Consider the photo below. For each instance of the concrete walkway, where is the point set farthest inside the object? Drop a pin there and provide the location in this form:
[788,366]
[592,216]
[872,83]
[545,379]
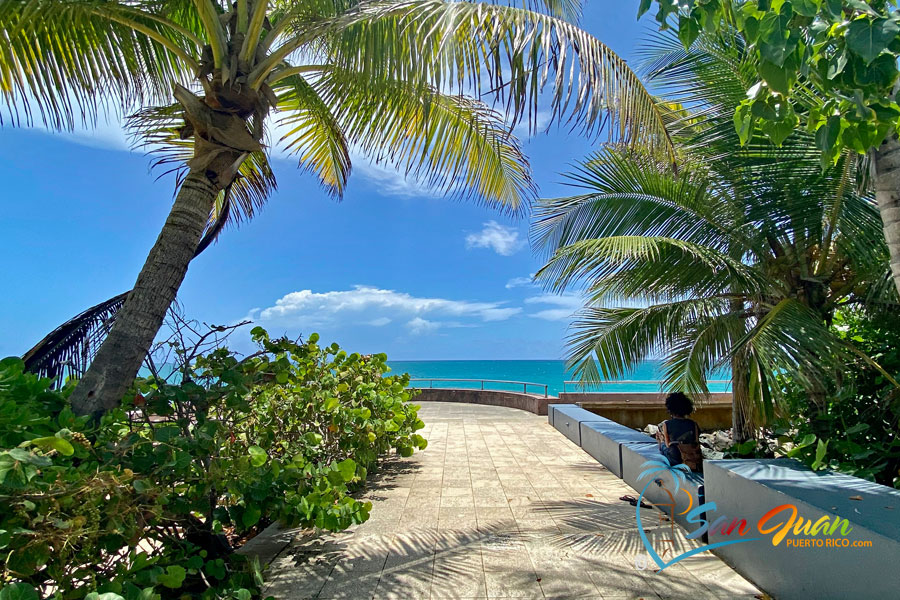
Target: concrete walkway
[500,505]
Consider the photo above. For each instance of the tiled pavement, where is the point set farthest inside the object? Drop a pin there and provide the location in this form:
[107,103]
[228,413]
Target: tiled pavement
[500,505]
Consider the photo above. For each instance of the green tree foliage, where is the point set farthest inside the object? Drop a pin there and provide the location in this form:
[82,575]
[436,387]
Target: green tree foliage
[830,65]
[857,432]
[739,258]
[138,506]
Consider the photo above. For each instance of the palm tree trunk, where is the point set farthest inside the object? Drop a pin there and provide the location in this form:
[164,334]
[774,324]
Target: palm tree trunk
[741,424]
[119,358]
[886,170]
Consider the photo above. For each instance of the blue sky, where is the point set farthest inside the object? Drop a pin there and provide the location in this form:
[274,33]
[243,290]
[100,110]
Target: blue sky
[392,268]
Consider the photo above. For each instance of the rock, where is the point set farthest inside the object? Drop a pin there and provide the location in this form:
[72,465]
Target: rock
[721,441]
[712,454]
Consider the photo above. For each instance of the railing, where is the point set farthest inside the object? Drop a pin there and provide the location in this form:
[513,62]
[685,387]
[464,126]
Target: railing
[524,384]
[598,384]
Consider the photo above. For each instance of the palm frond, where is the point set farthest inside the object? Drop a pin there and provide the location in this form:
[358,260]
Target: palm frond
[633,193]
[503,53]
[704,347]
[451,142]
[653,268]
[64,62]
[795,338]
[612,341]
[568,10]
[313,133]
[68,350]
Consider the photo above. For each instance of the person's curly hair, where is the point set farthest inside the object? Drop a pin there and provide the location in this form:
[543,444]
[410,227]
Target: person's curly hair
[679,405]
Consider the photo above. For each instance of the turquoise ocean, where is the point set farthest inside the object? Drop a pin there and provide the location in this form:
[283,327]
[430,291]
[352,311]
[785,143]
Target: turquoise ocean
[552,373]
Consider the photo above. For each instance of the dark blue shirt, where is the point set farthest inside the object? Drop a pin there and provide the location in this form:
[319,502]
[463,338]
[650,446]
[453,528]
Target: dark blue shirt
[682,430]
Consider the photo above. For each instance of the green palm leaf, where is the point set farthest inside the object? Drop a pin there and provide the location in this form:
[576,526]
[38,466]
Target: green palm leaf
[633,193]
[65,62]
[505,53]
[636,267]
[313,133]
[453,143]
[609,342]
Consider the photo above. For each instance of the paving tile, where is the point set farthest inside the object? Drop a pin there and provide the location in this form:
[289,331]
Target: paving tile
[617,579]
[566,584]
[290,580]
[458,576]
[458,501]
[500,505]
[487,482]
[512,584]
[351,585]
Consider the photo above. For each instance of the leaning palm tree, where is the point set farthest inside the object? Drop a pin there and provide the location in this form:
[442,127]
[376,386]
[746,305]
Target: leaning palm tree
[400,80]
[737,259]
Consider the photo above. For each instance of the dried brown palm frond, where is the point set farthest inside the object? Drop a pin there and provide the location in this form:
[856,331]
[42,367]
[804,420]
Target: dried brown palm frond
[68,350]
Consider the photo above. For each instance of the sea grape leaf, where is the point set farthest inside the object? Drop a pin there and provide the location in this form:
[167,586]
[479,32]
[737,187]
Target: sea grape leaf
[688,30]
[18,591]
[173,577]
[776,41]
[347,469]
[52,442]
[251,516]
[778,77]
[258,456]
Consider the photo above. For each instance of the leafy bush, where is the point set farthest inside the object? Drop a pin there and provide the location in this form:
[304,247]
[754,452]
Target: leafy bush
[148,502]
[857,431]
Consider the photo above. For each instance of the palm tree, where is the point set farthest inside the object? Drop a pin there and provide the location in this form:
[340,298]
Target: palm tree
[389,77]
[739,258]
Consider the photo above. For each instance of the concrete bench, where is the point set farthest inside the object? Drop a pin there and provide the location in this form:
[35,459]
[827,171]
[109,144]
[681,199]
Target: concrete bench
[567,419]
[748,489]
[603,440]
[688,496]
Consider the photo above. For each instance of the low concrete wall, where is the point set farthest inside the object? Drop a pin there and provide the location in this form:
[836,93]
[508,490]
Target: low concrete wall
[639,409]
[603,440]
[529,402]
[748,489]
[567,419]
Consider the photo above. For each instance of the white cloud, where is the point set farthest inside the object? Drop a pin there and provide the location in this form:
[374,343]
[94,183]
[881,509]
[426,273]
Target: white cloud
[520,282]
[565,305]
[523,129]
[389,180]
[376,307]
[499,314]
[503,240]
[108,134]
[419,326]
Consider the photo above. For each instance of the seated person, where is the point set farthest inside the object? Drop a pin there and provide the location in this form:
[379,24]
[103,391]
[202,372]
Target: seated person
[679,437]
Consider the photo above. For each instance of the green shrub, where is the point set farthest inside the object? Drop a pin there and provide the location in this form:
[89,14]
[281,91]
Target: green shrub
[148,502]
[857,430]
